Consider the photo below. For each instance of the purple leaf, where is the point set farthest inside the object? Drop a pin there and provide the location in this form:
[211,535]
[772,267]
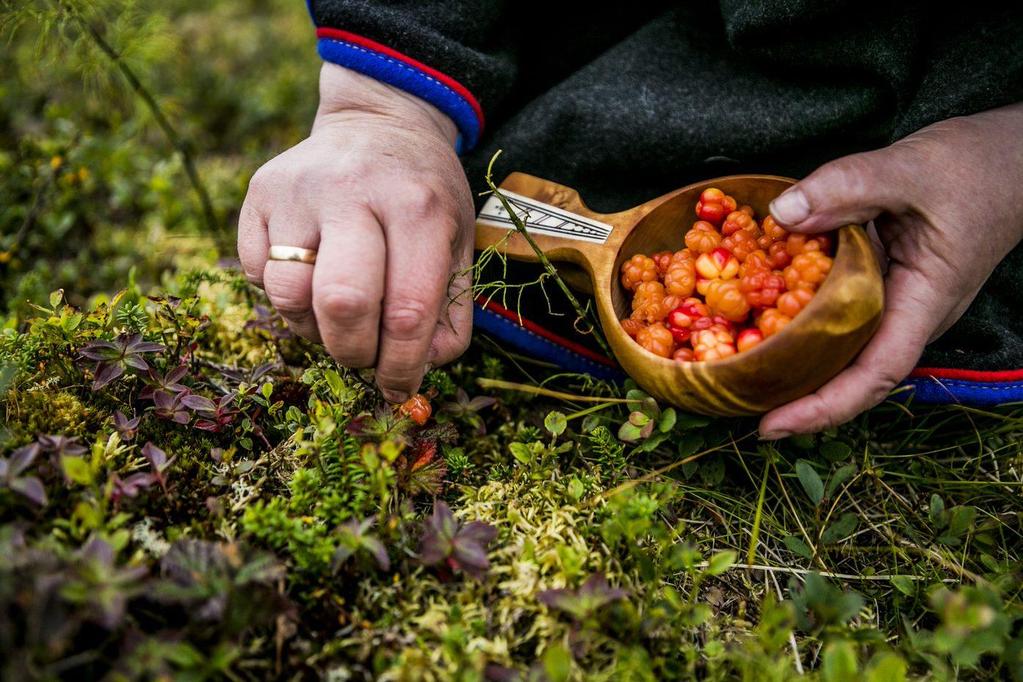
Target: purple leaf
[157,457]
[198,403]
[31,487]
[136,362]
[126,427]
[20,460]
[105,373]
[61,445]
[462,547]
[587,601]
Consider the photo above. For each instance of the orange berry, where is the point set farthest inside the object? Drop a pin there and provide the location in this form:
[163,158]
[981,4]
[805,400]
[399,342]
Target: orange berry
[741,243]
[662,259]
[808,270]
[778,255]
[680,279]
[718,264]
[755,261]
[683,355]
[748,338]
[702,237]
[725,298]
[771,232]
[648,302]
[637,270]
[772,321]
[657,339]
[793,301]
[417,408]
[714,343]
[632,326]
[740,220]
[762,287]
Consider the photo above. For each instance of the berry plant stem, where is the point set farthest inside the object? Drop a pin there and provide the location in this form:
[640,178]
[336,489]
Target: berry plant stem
[542,257]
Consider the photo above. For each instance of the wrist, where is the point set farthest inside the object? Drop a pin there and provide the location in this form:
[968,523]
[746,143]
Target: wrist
[344,92]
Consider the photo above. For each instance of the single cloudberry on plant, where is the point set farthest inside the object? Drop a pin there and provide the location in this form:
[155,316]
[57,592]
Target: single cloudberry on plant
[741,243]
[762,288]
[680,279]
[725,298]
[657,339]
[740,220]
[718,264]
[791,302]
[637,270]
[748,338]
[713,344]
[772,321]
[808,270]
[702,237]
[417,408]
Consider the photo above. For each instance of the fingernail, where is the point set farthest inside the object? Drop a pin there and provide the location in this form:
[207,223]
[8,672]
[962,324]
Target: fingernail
[775,435]
[394,396]
[791,207]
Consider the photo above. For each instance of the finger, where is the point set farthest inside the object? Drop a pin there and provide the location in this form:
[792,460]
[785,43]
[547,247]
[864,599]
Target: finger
[253,241]
[454,325]
[416,282]
[852,189]
[888,359]
[289,284]
[348,286]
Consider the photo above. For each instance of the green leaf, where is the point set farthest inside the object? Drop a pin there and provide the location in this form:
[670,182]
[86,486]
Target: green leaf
[266,390]
[55,298]
[841,475]
[521,452]
[575,488]
[797,546]
[886,667]
[843,527]
[838,662]
[836,450]
[667,420]
[555,422]
[936,512]
[686,420]
[689,445]
[721,562]
[557,663]
[812,483]
[77,470]
[629,432]
[960,520]
[904,584]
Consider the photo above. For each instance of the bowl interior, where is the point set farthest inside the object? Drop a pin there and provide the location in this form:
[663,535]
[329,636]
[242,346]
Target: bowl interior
[664,227]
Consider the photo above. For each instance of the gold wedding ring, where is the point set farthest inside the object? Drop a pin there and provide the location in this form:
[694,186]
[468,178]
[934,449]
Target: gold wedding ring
[292,253]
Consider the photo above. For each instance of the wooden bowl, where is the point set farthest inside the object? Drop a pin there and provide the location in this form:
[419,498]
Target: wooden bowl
[814,347]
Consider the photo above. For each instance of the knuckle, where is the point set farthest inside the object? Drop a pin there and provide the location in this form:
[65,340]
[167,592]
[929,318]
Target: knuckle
[406,320]
[421,199]
[343,302]
[288,292]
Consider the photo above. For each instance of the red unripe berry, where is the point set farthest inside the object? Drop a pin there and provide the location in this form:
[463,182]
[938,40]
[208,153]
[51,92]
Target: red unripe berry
[718,264]
[748,338]
[762,288]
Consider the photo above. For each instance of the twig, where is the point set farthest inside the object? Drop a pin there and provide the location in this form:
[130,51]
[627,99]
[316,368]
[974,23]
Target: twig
[536,390]
[542,257]
[165,125]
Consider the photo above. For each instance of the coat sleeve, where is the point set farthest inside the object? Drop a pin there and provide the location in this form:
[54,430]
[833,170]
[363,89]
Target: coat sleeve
[450,53]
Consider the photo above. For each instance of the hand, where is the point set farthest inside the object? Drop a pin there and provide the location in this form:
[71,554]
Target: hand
[378,189]
[947,202]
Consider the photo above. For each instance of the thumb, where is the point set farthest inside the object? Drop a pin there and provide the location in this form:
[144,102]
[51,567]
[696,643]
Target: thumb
[852,189]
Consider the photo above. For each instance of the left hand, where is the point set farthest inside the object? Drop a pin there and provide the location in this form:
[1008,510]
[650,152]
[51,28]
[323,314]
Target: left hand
[947,202]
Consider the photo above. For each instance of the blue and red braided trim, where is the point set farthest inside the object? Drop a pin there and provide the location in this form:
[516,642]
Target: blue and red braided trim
[394,68]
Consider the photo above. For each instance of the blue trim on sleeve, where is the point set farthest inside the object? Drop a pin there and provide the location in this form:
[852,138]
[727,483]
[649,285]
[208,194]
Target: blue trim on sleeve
[401,75]
[539,347]
[934,391]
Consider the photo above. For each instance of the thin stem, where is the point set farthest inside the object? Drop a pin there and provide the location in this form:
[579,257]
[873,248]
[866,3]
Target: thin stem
[751,554]
[536,390]
[161,119]
[542,257]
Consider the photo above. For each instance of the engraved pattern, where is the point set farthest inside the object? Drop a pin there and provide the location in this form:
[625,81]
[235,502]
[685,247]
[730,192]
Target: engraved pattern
[543,219]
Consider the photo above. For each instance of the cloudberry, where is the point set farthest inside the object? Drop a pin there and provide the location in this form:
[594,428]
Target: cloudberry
[807,270]
[417,408]
[657,339]
[762,287]
[681,319]
[648,302]
[680,279]
[740,243]
[772,321]
[632,326]
[662,259]
[637,270]
[802,243]
[712,344]
[748,338]
[791,302]
[714,205]
[754,262]
[778,255]
[725,298]
[702,237]
[740,220]
[771,232]
[718,264]
[683,355]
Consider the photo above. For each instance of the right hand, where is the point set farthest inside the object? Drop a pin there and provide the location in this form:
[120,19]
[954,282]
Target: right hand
[378,190]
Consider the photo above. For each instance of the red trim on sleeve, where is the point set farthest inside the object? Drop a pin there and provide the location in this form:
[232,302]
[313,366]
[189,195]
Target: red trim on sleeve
[545,333]
[338,34]
[968,374]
